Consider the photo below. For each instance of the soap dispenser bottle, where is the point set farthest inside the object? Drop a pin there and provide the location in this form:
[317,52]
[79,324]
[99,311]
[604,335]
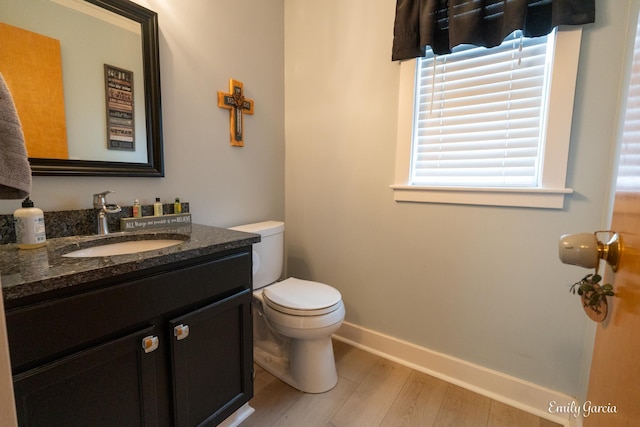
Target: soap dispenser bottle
[30,229]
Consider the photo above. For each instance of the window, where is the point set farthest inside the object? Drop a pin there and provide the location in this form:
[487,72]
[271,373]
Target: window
[490,126]
[478,115]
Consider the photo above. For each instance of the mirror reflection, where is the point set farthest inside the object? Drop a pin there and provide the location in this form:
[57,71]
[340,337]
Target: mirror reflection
[84,82]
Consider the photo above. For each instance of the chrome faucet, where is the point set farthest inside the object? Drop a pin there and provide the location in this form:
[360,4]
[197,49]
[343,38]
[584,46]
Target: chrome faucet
[100,202]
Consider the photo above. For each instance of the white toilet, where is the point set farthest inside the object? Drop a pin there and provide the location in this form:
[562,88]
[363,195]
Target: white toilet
[293,319]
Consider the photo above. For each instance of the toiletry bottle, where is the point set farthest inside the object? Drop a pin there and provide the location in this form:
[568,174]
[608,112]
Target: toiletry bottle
[30,231]
[157,207]
[137,209]
[177,206]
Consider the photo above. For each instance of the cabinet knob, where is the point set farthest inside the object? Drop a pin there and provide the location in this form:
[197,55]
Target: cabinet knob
[181,331]
[150,343]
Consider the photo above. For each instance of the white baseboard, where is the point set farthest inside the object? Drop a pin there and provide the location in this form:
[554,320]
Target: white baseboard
[510,390]
[238,416]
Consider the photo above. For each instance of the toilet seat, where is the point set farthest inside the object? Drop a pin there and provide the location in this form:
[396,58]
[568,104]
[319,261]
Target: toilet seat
[299,297]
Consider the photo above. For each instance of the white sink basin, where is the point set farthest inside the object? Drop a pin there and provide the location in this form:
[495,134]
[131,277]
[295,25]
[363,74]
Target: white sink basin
[123,248]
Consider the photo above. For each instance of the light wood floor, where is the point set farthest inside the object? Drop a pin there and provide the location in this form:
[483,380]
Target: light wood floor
[372,392]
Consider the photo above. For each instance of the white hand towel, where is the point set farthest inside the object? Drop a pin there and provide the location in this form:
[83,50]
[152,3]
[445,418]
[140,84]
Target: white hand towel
[15,171]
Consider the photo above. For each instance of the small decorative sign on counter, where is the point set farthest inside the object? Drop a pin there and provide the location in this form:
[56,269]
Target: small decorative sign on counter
[178,222]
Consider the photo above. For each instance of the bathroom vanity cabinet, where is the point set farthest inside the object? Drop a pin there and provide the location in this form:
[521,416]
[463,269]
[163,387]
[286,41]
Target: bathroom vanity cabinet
[166,346]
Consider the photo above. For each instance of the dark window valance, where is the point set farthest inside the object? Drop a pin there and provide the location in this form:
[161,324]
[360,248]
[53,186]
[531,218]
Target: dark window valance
[444,24]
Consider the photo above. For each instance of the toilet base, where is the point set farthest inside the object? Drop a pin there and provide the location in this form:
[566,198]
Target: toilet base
[313,369]
[300,355]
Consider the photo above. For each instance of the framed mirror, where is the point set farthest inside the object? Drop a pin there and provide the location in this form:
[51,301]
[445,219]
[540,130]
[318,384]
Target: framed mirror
[110,77]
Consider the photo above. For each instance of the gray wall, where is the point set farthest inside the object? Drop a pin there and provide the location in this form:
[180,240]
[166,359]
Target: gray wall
[483,284]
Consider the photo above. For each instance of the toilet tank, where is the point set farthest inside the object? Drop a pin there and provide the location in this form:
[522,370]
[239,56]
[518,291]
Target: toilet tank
[268,254]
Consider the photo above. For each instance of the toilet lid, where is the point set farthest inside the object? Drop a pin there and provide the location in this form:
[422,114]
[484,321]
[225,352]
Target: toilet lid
[302,297]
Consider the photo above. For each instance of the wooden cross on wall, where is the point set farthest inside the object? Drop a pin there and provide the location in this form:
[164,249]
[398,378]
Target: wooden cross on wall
[237,105]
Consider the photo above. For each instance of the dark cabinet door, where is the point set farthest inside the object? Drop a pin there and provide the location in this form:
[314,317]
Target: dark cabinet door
[113,384]
[212,361]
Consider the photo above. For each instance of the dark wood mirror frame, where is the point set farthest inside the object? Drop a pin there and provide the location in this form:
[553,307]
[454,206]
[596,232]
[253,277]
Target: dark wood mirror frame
[151,66]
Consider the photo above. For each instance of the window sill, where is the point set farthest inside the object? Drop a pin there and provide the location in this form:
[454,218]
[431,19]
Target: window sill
[548,198]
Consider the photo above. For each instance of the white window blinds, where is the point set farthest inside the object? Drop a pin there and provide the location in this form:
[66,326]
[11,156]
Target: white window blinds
[479,115]
[629,167]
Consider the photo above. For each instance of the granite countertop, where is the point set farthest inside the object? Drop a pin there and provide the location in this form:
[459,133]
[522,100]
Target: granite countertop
[29,272]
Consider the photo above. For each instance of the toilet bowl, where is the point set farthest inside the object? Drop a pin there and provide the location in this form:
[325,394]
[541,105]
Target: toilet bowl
[293,319]
[303,355]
